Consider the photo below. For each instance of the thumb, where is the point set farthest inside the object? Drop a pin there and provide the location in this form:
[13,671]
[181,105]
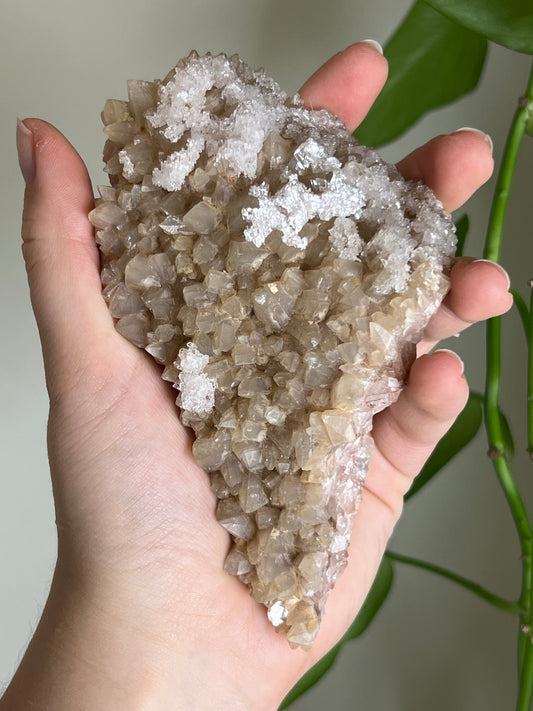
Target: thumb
[61,256]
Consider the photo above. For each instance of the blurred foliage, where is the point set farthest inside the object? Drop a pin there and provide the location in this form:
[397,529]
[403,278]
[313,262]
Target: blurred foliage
[432,61]
[462,432]
[506,22]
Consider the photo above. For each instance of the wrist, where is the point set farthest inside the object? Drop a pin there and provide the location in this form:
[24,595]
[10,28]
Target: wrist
[87,655]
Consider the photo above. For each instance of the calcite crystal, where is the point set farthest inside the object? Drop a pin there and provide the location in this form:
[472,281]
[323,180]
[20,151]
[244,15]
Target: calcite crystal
[282,275]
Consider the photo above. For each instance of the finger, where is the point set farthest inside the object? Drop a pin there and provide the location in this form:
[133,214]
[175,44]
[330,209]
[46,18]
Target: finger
[453,166]
[406,433]
[348,83]
[479,290]
[58,245]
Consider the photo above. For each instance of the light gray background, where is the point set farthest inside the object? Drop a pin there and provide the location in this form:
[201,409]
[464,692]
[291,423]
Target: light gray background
[433,645]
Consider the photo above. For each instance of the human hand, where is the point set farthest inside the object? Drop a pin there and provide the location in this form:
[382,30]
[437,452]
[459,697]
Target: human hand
[141,614]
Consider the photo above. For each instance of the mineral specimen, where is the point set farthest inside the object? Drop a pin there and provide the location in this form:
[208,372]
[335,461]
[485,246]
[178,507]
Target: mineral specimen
[282,274]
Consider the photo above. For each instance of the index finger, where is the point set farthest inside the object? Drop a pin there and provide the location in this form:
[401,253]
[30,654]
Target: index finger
[348,84]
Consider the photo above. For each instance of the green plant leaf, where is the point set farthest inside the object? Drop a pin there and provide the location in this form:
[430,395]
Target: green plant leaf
[508,443]
[432,61]
[461,228]
[506,22]
[374,600]
[461,433]
[311,677]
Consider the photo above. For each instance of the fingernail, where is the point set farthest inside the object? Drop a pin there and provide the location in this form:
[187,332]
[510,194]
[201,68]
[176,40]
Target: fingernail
[498,266]
[486,136]
[374,44]
[447,350]
[26,151]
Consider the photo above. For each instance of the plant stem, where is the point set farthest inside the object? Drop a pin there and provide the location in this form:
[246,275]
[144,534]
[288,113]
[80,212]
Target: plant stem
[525,641]
[495,600]
[522,310]
[497,442]
[526,686]
[505,176]
[492,393]
[530,377]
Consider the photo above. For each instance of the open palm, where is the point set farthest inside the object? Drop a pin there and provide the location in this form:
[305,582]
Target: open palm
[138,541]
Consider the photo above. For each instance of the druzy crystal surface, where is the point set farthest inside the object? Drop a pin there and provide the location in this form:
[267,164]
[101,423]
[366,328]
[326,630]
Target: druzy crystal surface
[282,275]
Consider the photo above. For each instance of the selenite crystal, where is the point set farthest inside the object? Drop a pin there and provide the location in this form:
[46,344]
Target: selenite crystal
[282,274]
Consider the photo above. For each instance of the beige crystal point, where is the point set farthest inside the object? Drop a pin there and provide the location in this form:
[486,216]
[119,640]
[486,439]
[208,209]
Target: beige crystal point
[282,274]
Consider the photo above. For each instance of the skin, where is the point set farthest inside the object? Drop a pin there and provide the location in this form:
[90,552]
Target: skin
[140,613]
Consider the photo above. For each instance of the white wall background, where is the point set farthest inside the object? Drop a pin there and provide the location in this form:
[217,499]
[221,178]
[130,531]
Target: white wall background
[433,646]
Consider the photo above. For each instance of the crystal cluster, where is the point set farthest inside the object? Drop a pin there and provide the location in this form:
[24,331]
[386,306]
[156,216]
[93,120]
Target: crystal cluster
[282,274]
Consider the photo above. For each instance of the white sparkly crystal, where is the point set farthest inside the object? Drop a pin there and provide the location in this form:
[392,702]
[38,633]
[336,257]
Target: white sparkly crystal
[277,614]
[174,169]
[282,274]
[345,239]
[294,205]
[235,139]
[127,163]
[197,391]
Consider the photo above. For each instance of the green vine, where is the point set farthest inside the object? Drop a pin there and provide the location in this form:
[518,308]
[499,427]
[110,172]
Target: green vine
[523,311]
[492,394]
[529,335]
[505,176]
[506,605]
